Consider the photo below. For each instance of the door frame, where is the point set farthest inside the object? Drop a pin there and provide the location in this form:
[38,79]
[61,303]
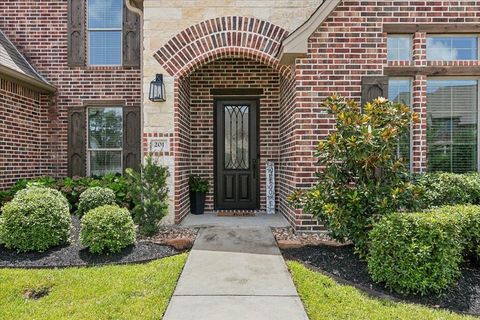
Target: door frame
[234,97]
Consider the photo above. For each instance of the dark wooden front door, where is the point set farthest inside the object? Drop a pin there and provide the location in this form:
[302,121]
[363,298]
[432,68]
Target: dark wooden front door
[236,155]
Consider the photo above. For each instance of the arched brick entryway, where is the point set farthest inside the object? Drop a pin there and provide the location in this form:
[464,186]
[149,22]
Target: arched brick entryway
[229,52]
[222,37]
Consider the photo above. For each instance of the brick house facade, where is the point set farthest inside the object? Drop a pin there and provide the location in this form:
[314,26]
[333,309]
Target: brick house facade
[286,57]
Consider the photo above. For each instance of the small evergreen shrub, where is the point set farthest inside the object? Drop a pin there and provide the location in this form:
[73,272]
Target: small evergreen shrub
[416,253]
[441,188]
[35,220]
[149,194]
[107,229]
[362,179]
[93,198]
[468,217]
[71,188]
[198,184]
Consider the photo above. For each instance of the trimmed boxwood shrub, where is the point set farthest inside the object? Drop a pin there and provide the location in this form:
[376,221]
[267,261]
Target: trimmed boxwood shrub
[72,187]
[416,252]
[107,229]
[35,220]
[93,198]
[443,188]
[468,217]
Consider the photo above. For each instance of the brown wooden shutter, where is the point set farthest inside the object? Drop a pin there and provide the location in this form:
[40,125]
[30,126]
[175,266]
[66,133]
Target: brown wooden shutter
[374,87]
[131,38]
[132,139]
[76,141]
[76,33]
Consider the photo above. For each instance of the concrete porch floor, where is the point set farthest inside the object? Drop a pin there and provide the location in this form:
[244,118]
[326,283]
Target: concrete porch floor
[209,219]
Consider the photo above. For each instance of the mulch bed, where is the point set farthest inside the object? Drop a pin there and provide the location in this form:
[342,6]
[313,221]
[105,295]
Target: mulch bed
[75,254]
[342,263]
[305,238]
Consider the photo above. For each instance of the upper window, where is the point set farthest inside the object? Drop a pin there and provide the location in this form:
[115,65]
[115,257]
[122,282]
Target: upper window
[452,111]
[399,47]
[105,140]
[399,91]
[452,47]
[105,32]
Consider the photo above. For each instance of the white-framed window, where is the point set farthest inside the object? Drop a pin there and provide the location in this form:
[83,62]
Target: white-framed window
[105,140]
[399,47]
[452,124]
[400,91]
[452,47]
[104,27]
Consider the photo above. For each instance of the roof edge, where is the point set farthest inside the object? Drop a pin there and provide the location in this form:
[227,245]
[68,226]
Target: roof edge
[41,83]
[296,44]
[42,86]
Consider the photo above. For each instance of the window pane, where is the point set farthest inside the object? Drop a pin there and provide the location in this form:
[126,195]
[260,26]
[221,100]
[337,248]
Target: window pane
[105,47]
[105,128]
[103,162]
[236,137]
[105,14]
[399,47]
[452,125]
[399,92]
[450,48]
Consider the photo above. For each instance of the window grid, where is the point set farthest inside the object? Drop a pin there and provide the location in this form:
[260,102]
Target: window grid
[449,127]
[98,30]
[396,52]
[438,52]
[400,91]
[92,150]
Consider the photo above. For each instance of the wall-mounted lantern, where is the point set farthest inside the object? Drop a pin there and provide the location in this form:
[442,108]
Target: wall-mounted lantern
[157,89]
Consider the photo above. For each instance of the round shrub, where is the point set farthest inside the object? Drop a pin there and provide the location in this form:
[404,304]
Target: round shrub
[95,197]
[106,229]
[468,217]
[416,252]
[35,220]
[442,188]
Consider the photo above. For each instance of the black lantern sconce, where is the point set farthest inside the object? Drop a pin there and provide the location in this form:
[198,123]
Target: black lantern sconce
[157,89]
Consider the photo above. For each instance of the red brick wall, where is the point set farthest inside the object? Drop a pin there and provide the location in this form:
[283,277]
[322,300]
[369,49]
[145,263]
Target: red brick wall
[182,147]
[23,114]
[351,44]
[39,30]
[232,73]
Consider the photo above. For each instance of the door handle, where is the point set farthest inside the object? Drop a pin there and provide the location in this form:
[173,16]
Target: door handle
[254,167]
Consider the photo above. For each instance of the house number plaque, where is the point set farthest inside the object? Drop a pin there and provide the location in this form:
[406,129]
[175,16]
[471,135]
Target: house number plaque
[270,187]
[159,145]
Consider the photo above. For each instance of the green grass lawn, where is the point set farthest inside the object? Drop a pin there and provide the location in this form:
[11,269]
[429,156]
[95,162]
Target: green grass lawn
[136,291]
[323,298]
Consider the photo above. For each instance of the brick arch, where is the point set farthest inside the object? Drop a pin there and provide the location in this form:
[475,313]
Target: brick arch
[223,37]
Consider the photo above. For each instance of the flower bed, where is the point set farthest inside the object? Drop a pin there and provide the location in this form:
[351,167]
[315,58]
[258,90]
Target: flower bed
[74,254]
[342,262]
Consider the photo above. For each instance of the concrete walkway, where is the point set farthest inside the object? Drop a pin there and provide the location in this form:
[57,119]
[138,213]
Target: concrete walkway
[235,273]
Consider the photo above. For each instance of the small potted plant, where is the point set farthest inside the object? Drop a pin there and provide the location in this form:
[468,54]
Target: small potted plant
[198,191]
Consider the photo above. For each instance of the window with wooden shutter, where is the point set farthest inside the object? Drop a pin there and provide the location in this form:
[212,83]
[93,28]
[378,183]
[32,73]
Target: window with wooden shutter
[132,139]
[105,140]
[374,87]
[76,33]
[104,26]
[76,141]
[113,33]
